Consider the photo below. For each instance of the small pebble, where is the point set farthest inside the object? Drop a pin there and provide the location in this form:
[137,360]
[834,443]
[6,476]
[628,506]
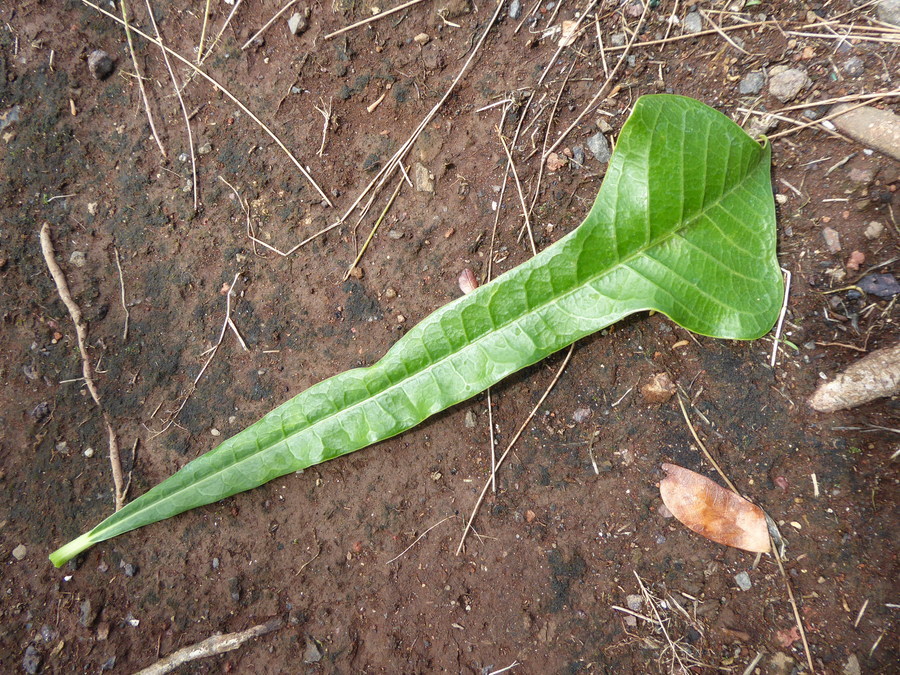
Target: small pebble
[785,83]
[130,571]
[390,293]
[19,552]
[88,452]
[470,420]
[205,149]
[298,23]
[617,39]
[515,9]
[832,239]
[183,157]
[78,258]
[634,602]
[743,581]
[599,147]
[100,64]
[854,66]
[751,83]
[31,663]
[215,563]
[215,432]
[693,23]
[873,230]
[582,415]
[422,39]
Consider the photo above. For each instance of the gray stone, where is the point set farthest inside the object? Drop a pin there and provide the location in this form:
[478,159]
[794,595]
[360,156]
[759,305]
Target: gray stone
[854,66]
[582,415]
[832,239]
[470,420]
[874,128]
[515,9]
[692,23]
[31,664]
[205,149]
[78,258]
[87,614]
[889,11]
[634,602]
[312,653]
[617,39]
[785,84]
[19,552]
[100,64]
[599,147]
[422,178]
[752,83]
[298,23]
[578,155]
[742,579]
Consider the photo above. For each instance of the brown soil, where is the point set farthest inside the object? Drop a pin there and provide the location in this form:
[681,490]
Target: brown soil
[559,544]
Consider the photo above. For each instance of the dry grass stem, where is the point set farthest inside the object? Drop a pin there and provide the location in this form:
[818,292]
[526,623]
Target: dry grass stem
[784,304]
[505,669]
[212,646]
[140,79]
[519,190]
[212,45]
[703,449]
[512,442]
[724,35]
[375,227]
[202,44]
[418,539]
[225,91]
[381,15]
[563,43]
[826,118]
[122,288]
[493,442]
[326,113]
[691,36]
[862,610]
[603,88]
[81,336]
[268,23]
[184,112]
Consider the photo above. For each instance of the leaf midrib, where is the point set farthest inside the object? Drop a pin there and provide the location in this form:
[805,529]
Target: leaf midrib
[616,266]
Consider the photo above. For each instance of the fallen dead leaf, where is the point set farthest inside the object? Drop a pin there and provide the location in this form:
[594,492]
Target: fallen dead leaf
[467,281]
[555,162]
[712,511]
[659,389]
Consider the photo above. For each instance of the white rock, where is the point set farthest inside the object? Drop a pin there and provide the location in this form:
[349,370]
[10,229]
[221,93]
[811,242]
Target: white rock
[19,552]
[693,23]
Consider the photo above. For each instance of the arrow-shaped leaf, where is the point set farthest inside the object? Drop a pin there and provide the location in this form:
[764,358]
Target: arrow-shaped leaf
[684,224]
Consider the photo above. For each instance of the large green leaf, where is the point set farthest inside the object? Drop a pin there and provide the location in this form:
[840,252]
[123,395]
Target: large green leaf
[684,224]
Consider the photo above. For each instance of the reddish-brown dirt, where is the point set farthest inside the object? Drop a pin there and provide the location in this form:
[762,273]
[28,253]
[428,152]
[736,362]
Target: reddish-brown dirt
[559,544]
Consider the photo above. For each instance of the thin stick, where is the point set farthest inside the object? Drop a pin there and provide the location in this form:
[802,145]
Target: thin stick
[661,623]
[862,610]
[563,44]
[519,189]
[509,447]
[81,335]
[724,35]
[797,618]
[203,32]
[362,250]
[418,539]
[227,93]
[140,79]
[602,91]
[124,304]
[840,99]
[787,294]
[187,122]
[691,36]
[493,442]
[268,23]
[217,644]
[706,454]
[212,45]
[830,116]
[381,15]
[510,667]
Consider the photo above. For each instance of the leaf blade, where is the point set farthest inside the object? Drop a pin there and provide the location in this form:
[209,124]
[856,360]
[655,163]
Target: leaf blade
[644,245]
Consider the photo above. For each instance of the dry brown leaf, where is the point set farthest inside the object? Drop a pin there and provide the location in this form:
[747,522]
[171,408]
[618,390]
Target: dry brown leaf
[873,376]
[467,281]
[712,511]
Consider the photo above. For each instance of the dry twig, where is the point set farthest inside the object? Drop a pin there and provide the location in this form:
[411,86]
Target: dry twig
[124,304]
[381,15]
[212,646]
[139,78]
[509,447]
[268,24]
[81,336]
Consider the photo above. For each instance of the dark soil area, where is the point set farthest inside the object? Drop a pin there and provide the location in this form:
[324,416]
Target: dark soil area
[559,544]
